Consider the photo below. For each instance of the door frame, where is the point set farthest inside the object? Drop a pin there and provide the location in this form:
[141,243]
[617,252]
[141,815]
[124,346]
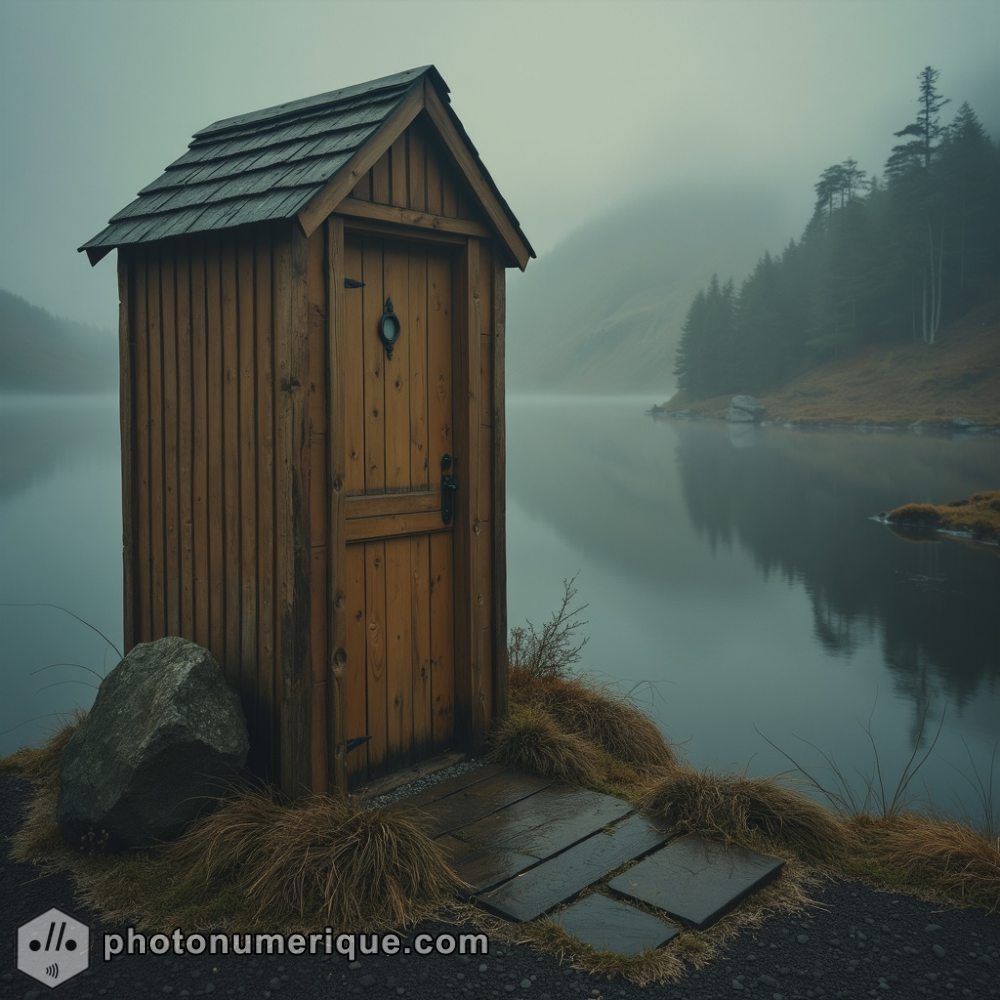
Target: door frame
[470,724]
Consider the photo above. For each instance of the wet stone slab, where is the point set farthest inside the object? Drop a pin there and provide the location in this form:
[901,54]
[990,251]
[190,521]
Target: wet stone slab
[610,925]
[695,880]
[561,877]
[545,823]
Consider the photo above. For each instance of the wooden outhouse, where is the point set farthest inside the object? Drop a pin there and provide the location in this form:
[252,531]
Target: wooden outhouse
[312,420]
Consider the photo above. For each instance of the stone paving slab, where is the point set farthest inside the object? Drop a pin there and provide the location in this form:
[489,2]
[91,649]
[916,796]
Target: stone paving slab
[483,868]
[695,880]
[560,878]
[467,804]
[611,925]
[547,822]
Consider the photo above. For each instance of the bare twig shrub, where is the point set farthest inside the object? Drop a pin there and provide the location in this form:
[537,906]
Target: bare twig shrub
[551,650]
[736,807]
[531,739]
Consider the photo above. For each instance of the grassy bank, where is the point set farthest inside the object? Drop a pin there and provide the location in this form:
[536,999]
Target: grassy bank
[977,517]
[959,376]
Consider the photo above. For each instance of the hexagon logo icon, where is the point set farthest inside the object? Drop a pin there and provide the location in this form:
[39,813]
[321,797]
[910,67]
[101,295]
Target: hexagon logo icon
[53,947]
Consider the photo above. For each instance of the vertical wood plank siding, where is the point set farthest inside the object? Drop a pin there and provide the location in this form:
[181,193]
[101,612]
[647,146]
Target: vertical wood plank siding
[206,507]
[337,693]
[416,173]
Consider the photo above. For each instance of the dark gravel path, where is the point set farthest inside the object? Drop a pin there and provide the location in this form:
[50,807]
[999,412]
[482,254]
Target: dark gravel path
[867,944]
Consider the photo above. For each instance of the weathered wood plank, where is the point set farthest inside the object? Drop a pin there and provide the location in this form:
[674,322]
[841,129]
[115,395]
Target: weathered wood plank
[449,196]
[469,721]
[384,504]
[200,630]
[420,651]
[248,486]
[416,321]
[399,216]
[339,692]
[397,174]
[230,467]
[395,269]
[126,401]
[398,650]
[170,497]
[215,452]
[291,483]
[154,317]
[381,192]
[185,434]
[374,367]
[434,171]
[393,525]
[439,363]
[375,656]
[499,493]
[264,721]
[356,665]
[442,639]
[142,587]
[417,161]
[559,879]
[548,822]
[354,365]
[319,760]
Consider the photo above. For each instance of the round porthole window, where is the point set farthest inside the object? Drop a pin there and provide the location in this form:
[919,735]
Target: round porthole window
[389,327]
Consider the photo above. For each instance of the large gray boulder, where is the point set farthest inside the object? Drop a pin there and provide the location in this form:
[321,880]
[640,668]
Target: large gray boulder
[164,737]
[745,410]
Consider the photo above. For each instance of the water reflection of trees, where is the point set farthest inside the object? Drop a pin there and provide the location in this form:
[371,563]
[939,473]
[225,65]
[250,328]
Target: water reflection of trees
[801,505]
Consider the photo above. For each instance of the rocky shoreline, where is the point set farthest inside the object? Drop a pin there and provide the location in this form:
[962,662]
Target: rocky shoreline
[747,410]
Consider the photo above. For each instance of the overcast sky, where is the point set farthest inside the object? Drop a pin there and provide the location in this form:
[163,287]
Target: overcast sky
[574,106]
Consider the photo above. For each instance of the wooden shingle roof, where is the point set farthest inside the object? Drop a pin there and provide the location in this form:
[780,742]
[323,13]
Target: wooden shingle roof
[298,160]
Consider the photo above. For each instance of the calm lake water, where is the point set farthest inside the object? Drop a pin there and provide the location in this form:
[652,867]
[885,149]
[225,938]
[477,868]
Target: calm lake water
[737,584]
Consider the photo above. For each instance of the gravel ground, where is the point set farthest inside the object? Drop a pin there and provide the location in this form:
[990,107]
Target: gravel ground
[861,943]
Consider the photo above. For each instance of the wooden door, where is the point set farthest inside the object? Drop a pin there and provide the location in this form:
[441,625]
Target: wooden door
[400,675]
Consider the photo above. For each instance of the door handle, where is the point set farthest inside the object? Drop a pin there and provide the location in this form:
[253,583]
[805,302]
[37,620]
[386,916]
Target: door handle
[448,486]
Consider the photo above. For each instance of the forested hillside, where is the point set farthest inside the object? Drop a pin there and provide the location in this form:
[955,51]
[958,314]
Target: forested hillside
[40,352]
[885,260]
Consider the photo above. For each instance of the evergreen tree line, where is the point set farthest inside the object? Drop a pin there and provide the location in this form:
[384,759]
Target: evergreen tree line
[882,260]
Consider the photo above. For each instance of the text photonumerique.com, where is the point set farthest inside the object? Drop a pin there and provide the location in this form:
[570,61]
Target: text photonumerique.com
[133,942]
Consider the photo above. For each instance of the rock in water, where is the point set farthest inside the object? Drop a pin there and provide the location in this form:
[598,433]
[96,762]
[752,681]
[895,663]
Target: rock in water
[164,736]
[745,410]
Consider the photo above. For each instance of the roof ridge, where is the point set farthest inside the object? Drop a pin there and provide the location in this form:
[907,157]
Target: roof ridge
[278,111]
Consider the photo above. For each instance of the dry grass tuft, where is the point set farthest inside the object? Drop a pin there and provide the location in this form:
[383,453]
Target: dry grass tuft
[740,808]
[608,722]
[325,858]
[531,739]
[955,862]
[40,765]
